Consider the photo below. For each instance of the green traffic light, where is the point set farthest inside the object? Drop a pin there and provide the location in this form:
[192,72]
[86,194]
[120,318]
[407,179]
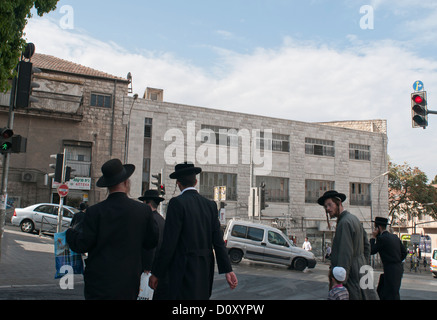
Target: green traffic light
[6,146]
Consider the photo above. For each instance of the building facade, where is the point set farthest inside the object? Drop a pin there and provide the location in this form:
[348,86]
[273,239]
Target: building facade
[79,111]
[297,162]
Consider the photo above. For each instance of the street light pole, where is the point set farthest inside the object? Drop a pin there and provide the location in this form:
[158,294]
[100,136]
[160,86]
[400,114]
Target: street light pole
[371,209]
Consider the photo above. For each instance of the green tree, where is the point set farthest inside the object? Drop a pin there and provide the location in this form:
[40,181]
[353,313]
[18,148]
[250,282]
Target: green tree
[13,18]
[410,195]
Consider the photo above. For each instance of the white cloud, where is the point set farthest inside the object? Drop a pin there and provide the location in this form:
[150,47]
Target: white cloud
[299,81]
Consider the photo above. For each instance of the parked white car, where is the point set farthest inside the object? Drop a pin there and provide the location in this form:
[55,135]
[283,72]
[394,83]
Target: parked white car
[264,243]
[42,216]
[433,263]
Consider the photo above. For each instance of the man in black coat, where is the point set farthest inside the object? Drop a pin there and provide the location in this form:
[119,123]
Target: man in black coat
[114,233]
[392,253]
[191,233]
[152,198]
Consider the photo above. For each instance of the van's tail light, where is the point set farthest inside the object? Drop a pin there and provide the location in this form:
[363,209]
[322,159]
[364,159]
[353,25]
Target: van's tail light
[15,213]
[226,243]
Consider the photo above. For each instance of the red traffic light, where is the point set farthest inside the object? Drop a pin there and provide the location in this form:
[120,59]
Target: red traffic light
[7,133]
[417,99]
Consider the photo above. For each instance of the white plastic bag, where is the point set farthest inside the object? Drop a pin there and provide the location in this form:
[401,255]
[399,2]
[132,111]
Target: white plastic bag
[146,293]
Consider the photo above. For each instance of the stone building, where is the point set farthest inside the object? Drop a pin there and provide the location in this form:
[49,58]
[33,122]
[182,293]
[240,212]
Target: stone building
[297,161]
[79,110]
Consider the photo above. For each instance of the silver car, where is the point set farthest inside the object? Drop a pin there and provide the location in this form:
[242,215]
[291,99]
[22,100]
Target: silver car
[42,217]
[264,243]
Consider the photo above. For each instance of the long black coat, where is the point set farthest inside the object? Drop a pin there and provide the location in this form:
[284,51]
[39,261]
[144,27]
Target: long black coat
[161,292]
[114,233]
[192,231]
[392,252]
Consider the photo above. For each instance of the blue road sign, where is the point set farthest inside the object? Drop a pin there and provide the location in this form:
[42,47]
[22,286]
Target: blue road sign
[418,85]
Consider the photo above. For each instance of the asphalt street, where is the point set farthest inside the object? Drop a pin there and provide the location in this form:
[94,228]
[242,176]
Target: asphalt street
[27,270]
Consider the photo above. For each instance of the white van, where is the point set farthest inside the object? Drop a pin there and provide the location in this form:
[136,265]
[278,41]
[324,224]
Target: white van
[433,264]
[259,242]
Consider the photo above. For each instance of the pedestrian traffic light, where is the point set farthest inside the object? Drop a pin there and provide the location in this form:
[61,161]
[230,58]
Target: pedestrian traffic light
[419,110]
[10,143]
[162,189]
[58,166]
[158,181]
[25,84]
[6,140]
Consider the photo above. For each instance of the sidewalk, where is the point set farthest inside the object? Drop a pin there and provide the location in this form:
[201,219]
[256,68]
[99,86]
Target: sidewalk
[27,268]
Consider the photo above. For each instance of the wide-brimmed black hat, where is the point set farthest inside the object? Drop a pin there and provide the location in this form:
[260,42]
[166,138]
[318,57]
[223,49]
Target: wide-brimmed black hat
[331,194]
[151,195]
[185,169]
[114,172]
[381,221]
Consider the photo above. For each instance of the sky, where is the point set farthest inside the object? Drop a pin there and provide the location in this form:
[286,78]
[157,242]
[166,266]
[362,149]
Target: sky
[312,60]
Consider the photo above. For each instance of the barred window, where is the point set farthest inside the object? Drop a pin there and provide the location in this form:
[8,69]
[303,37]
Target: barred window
[314,189]
[148,127]
[219,135]
[276,188]
[320,147]
[360,194]
[278,142]
[359,152]
[209,180]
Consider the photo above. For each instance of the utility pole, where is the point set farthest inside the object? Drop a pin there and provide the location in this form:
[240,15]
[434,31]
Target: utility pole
[6,157]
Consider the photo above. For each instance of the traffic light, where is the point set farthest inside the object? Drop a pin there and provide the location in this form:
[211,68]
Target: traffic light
[58,166]
[419,110]
[162,189]
[25,84]
[263,196]
[6,140]
[10,143]
[67,174]
[158,181]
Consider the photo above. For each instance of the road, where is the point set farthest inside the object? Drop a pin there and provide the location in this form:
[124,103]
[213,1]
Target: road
[27,273]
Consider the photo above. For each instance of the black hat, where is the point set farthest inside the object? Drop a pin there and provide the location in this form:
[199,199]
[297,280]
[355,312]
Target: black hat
[331,194]
[381,221]
[185,169]
[114,172]
[151,195]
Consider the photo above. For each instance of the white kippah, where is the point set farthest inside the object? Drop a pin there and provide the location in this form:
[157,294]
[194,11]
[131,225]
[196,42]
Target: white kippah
[339,274]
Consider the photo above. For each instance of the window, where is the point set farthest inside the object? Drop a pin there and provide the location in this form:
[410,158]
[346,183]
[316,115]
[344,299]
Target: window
[276,188]
[250,233]
[47,209]
[278,142]
[209,180]
[79,158]
[255,234]
[148,127]
[276,238]
[320,147]
[359,152]
[219,135]
[239,231]
[101,100]
[360,194]
[314,189]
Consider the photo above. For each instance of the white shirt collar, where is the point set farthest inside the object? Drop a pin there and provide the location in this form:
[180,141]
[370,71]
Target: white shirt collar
[189,188]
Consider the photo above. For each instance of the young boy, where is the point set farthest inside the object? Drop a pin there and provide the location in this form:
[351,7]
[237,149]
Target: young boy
[337,276]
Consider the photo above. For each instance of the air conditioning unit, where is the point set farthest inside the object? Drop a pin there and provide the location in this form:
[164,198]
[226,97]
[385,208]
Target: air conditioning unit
[28,176]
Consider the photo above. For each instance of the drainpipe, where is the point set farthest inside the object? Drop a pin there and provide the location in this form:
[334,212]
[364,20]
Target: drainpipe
[112,120]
